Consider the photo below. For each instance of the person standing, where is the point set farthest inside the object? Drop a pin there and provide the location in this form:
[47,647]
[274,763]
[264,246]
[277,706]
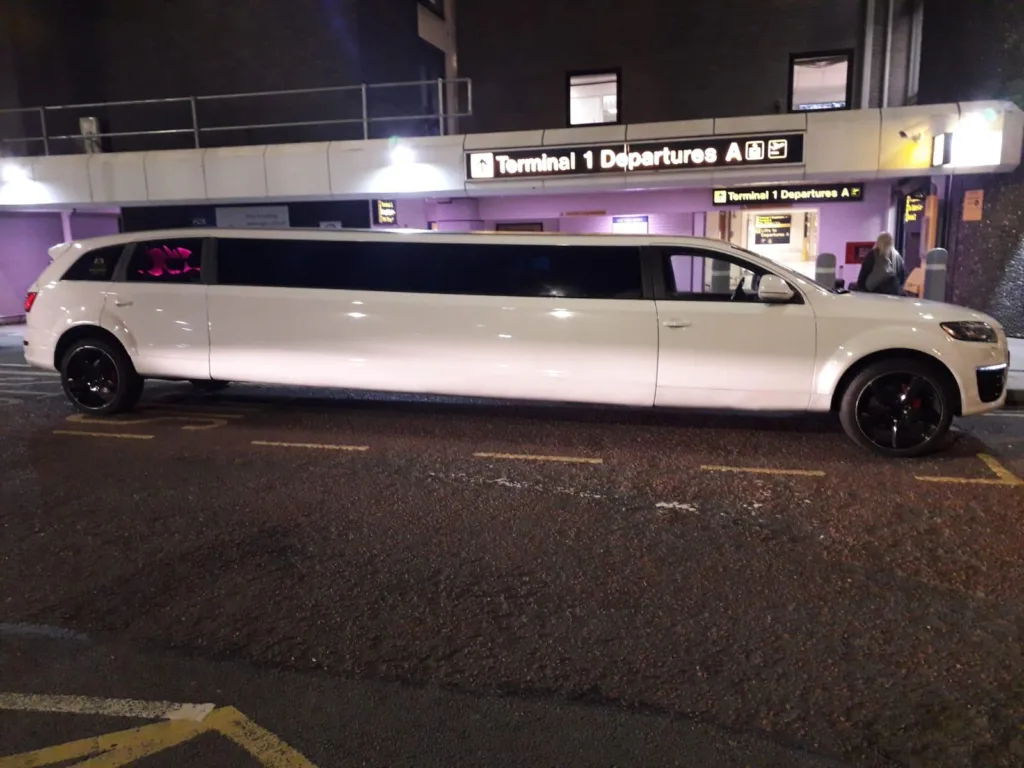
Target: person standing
[883,269]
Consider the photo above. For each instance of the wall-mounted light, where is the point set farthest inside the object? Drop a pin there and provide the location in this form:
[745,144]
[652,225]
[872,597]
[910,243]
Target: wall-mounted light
[402,155]
[11,173]
[942,150]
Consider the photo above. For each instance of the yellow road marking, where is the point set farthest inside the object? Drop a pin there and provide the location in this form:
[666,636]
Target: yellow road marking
[319,446]
[213,422]
[1003,475]
[116,435]
[531,457]
[257,741]
[764,471]
[179,723]
[111,750]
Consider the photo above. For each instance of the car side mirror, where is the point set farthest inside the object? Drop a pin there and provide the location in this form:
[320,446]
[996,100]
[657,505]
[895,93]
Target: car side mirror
[772,289]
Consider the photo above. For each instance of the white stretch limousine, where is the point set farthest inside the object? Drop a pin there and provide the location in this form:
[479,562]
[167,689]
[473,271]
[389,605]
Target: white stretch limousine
[635,321]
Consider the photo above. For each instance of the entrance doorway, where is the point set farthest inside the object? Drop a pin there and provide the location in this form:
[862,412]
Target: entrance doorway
[784,235]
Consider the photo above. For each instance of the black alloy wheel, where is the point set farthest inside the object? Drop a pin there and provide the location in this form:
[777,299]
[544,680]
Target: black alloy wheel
[897,409]
[99,378]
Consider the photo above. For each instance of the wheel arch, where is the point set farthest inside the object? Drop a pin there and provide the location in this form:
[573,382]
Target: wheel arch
[85,331]
[943,370]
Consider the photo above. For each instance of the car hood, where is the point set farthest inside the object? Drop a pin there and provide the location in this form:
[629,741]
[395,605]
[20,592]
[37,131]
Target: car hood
[880,307]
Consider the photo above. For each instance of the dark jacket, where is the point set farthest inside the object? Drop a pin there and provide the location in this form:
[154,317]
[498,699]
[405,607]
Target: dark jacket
[894,285]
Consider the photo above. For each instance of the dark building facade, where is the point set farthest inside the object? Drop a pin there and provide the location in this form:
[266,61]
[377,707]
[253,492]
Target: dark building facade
[674,61]
[59,52]
[975,51]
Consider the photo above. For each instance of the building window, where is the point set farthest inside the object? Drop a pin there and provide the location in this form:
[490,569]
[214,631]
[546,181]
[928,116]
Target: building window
[593,98]
[821,81]
[437,6]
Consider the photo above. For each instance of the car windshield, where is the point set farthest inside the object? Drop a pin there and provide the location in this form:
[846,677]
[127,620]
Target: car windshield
[787,273]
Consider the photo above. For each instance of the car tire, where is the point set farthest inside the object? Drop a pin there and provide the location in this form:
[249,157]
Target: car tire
[99,379]
[209,385]
[898,408]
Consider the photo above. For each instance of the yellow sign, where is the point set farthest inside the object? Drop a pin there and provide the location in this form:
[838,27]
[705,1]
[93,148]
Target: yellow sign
[773,229]
[974,203]
[385,213]
[914,208]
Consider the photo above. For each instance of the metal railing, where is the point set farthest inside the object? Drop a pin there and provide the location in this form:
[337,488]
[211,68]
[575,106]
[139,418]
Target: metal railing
[441,99]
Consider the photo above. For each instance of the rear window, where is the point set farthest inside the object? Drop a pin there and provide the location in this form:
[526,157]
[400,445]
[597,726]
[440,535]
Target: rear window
[97,265]
[166,261]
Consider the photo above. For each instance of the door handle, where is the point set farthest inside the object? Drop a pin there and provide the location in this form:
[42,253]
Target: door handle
[122,303]
[676,323]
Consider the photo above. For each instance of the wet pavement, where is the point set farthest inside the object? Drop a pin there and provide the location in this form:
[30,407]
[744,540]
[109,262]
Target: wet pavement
[761,578]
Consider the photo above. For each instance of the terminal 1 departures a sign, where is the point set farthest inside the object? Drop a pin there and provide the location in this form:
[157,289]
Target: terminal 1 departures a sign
[636,157]
[792,193]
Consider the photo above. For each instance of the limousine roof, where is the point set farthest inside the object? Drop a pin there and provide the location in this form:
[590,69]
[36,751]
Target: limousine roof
[400,235]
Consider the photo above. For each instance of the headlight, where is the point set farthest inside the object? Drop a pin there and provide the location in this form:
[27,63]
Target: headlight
[971,330]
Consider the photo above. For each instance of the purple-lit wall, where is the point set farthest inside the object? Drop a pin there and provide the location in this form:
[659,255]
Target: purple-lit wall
[85,225]
[25,239]
[669,212]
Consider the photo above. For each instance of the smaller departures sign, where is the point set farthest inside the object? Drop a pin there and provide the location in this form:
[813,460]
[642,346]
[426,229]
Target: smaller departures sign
[793,193]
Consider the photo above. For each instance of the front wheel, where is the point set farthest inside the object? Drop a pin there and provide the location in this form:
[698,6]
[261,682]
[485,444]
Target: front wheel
[99,378]
[898,408]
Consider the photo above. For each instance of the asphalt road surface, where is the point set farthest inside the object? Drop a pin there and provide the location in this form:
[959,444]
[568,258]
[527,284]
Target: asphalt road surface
[416,581]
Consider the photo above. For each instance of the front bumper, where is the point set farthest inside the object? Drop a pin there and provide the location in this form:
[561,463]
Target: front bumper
[983,373]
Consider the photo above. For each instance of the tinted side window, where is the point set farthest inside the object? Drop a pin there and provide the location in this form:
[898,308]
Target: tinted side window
[166,261]
[96,265]
[591,272]
[705,277]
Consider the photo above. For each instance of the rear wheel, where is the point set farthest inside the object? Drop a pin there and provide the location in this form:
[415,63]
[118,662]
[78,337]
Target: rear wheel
[209,385]
[99,378]
[898,408]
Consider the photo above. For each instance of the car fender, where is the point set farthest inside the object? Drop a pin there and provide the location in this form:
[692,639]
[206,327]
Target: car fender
[838,358]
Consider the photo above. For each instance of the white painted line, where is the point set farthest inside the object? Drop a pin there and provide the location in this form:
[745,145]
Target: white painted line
[89,705]
[765,471]
[117,435]
[318,446]
[677,505]
[531,457]
[15,365]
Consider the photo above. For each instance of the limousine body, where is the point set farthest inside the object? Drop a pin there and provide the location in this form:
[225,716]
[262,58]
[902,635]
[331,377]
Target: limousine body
[632,321]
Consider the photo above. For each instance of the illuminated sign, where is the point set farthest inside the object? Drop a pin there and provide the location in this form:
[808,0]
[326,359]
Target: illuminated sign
[636,157]
[629,225]
[800,193]
[774,229]
[384,213]
[914,208]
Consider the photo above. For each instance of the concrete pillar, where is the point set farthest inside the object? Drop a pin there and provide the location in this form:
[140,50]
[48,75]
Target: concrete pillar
[825,270]
[936,266]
